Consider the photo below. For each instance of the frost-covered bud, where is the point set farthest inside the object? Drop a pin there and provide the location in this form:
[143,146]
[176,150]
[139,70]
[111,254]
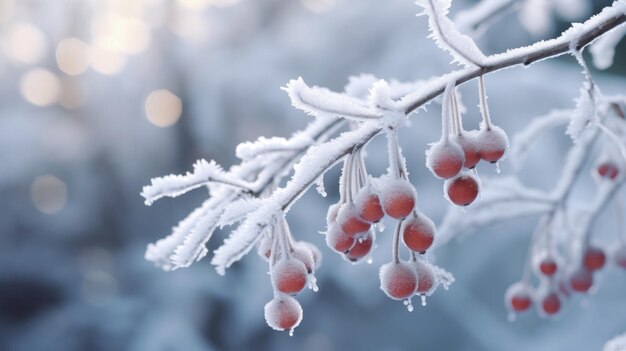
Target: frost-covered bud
[289,275]
[445,158]
[518,297]
[264,248]
[492,143]
[398,198]
[368,205]
[418,232]
[362,247]
[283,312]
[463,189]
[398,280]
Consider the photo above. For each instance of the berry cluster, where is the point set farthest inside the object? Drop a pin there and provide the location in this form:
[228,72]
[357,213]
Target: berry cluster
[292,267]
[459,151]
[560,278]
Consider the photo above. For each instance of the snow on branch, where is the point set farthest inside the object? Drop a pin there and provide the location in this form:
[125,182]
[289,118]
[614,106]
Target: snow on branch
[618,343]
[462,48]
[175,185]
[476,19]
[321,102]
[317,161]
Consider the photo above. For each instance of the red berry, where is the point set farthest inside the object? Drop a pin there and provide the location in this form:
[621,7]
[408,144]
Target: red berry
[594,258]
[418,233]
[368,205]
[547,266]
[315,251]
[349,220]
[492,143]
[425,278]
[619,255]
[471,150]
[462,190]
[398,198]
[302,253]
[445,158]
[361,247]
[289,275]
[283,312]
[337,240]
[398,280]
[607,170]
[551,304]
[518,298]
[581,280]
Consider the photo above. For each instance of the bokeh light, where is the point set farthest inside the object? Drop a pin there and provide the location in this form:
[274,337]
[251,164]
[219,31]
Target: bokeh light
[49,194]
[163,108]
[127,35]
[72,56]
[40,87]
[25,43]
[6,9]
[106,61]
[318,6]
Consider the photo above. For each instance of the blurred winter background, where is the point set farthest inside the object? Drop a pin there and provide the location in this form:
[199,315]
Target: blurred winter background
[98,96]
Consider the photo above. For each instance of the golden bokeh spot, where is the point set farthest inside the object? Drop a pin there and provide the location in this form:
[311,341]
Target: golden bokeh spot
[72,56]
[163,108]
[25,43]
[40,87]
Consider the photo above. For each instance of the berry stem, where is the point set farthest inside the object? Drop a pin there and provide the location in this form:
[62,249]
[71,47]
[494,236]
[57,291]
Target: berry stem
[392,148]
[363,169]
[396,241]
[445,111]
[619,218]
[543,223]
[484,108]
[282,236]
[458,123]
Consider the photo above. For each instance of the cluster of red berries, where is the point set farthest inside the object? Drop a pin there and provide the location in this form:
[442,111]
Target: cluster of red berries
[459,149]
[557,283]
[292,265]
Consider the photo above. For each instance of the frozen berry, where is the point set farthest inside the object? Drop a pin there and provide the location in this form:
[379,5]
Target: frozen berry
[283,312]
[304,254]
[418,233]
[398,198]
[331,215]
[462,190]
[337,240]
[361,248]
[468,142]
[315,251]
[547,265]
[550,304]
[594,258]
[493,143]
[607,170]
[398,280]
[445,158]
[289,275]
[368,205]
[619,256]
[425,278]
[581,280]
[518,297]
[349,220]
